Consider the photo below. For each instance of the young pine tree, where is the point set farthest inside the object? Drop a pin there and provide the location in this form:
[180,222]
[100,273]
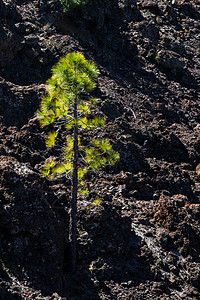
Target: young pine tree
[67,102]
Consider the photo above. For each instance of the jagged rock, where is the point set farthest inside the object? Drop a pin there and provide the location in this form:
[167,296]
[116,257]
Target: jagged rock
[31,241]
[10,45]
[170,60]
[141,238]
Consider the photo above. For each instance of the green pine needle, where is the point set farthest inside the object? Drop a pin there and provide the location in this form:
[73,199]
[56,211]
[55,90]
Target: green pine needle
[50,141]
[72,77]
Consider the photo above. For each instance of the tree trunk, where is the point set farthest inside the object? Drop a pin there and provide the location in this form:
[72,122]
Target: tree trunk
[73,207]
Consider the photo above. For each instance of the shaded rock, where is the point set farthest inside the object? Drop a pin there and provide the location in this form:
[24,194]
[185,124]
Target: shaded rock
[3,10]
[10,45]
[31,240]
[169,60]
[17,103]
[150,5]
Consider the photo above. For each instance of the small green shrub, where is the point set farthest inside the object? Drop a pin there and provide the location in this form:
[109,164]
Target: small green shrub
[70,4]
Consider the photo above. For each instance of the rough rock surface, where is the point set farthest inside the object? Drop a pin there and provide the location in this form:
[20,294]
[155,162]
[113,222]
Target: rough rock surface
[143,240]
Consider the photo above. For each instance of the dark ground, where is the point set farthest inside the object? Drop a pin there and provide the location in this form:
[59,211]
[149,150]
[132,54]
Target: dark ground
[143,240]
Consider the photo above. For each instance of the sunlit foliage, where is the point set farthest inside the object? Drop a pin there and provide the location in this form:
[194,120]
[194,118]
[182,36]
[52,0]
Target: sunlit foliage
[73,78]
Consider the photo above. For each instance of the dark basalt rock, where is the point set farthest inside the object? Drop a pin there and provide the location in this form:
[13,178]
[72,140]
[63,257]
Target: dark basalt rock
[150,5]
[31,239]
[3,11]
[138,226]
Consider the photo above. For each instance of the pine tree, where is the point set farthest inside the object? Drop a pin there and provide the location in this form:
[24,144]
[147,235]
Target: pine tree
[70,4]
[67,102]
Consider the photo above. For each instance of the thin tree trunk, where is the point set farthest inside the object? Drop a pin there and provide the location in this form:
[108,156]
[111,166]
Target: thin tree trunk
[73,208]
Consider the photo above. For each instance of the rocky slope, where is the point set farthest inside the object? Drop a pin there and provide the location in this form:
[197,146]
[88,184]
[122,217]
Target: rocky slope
[143,240]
